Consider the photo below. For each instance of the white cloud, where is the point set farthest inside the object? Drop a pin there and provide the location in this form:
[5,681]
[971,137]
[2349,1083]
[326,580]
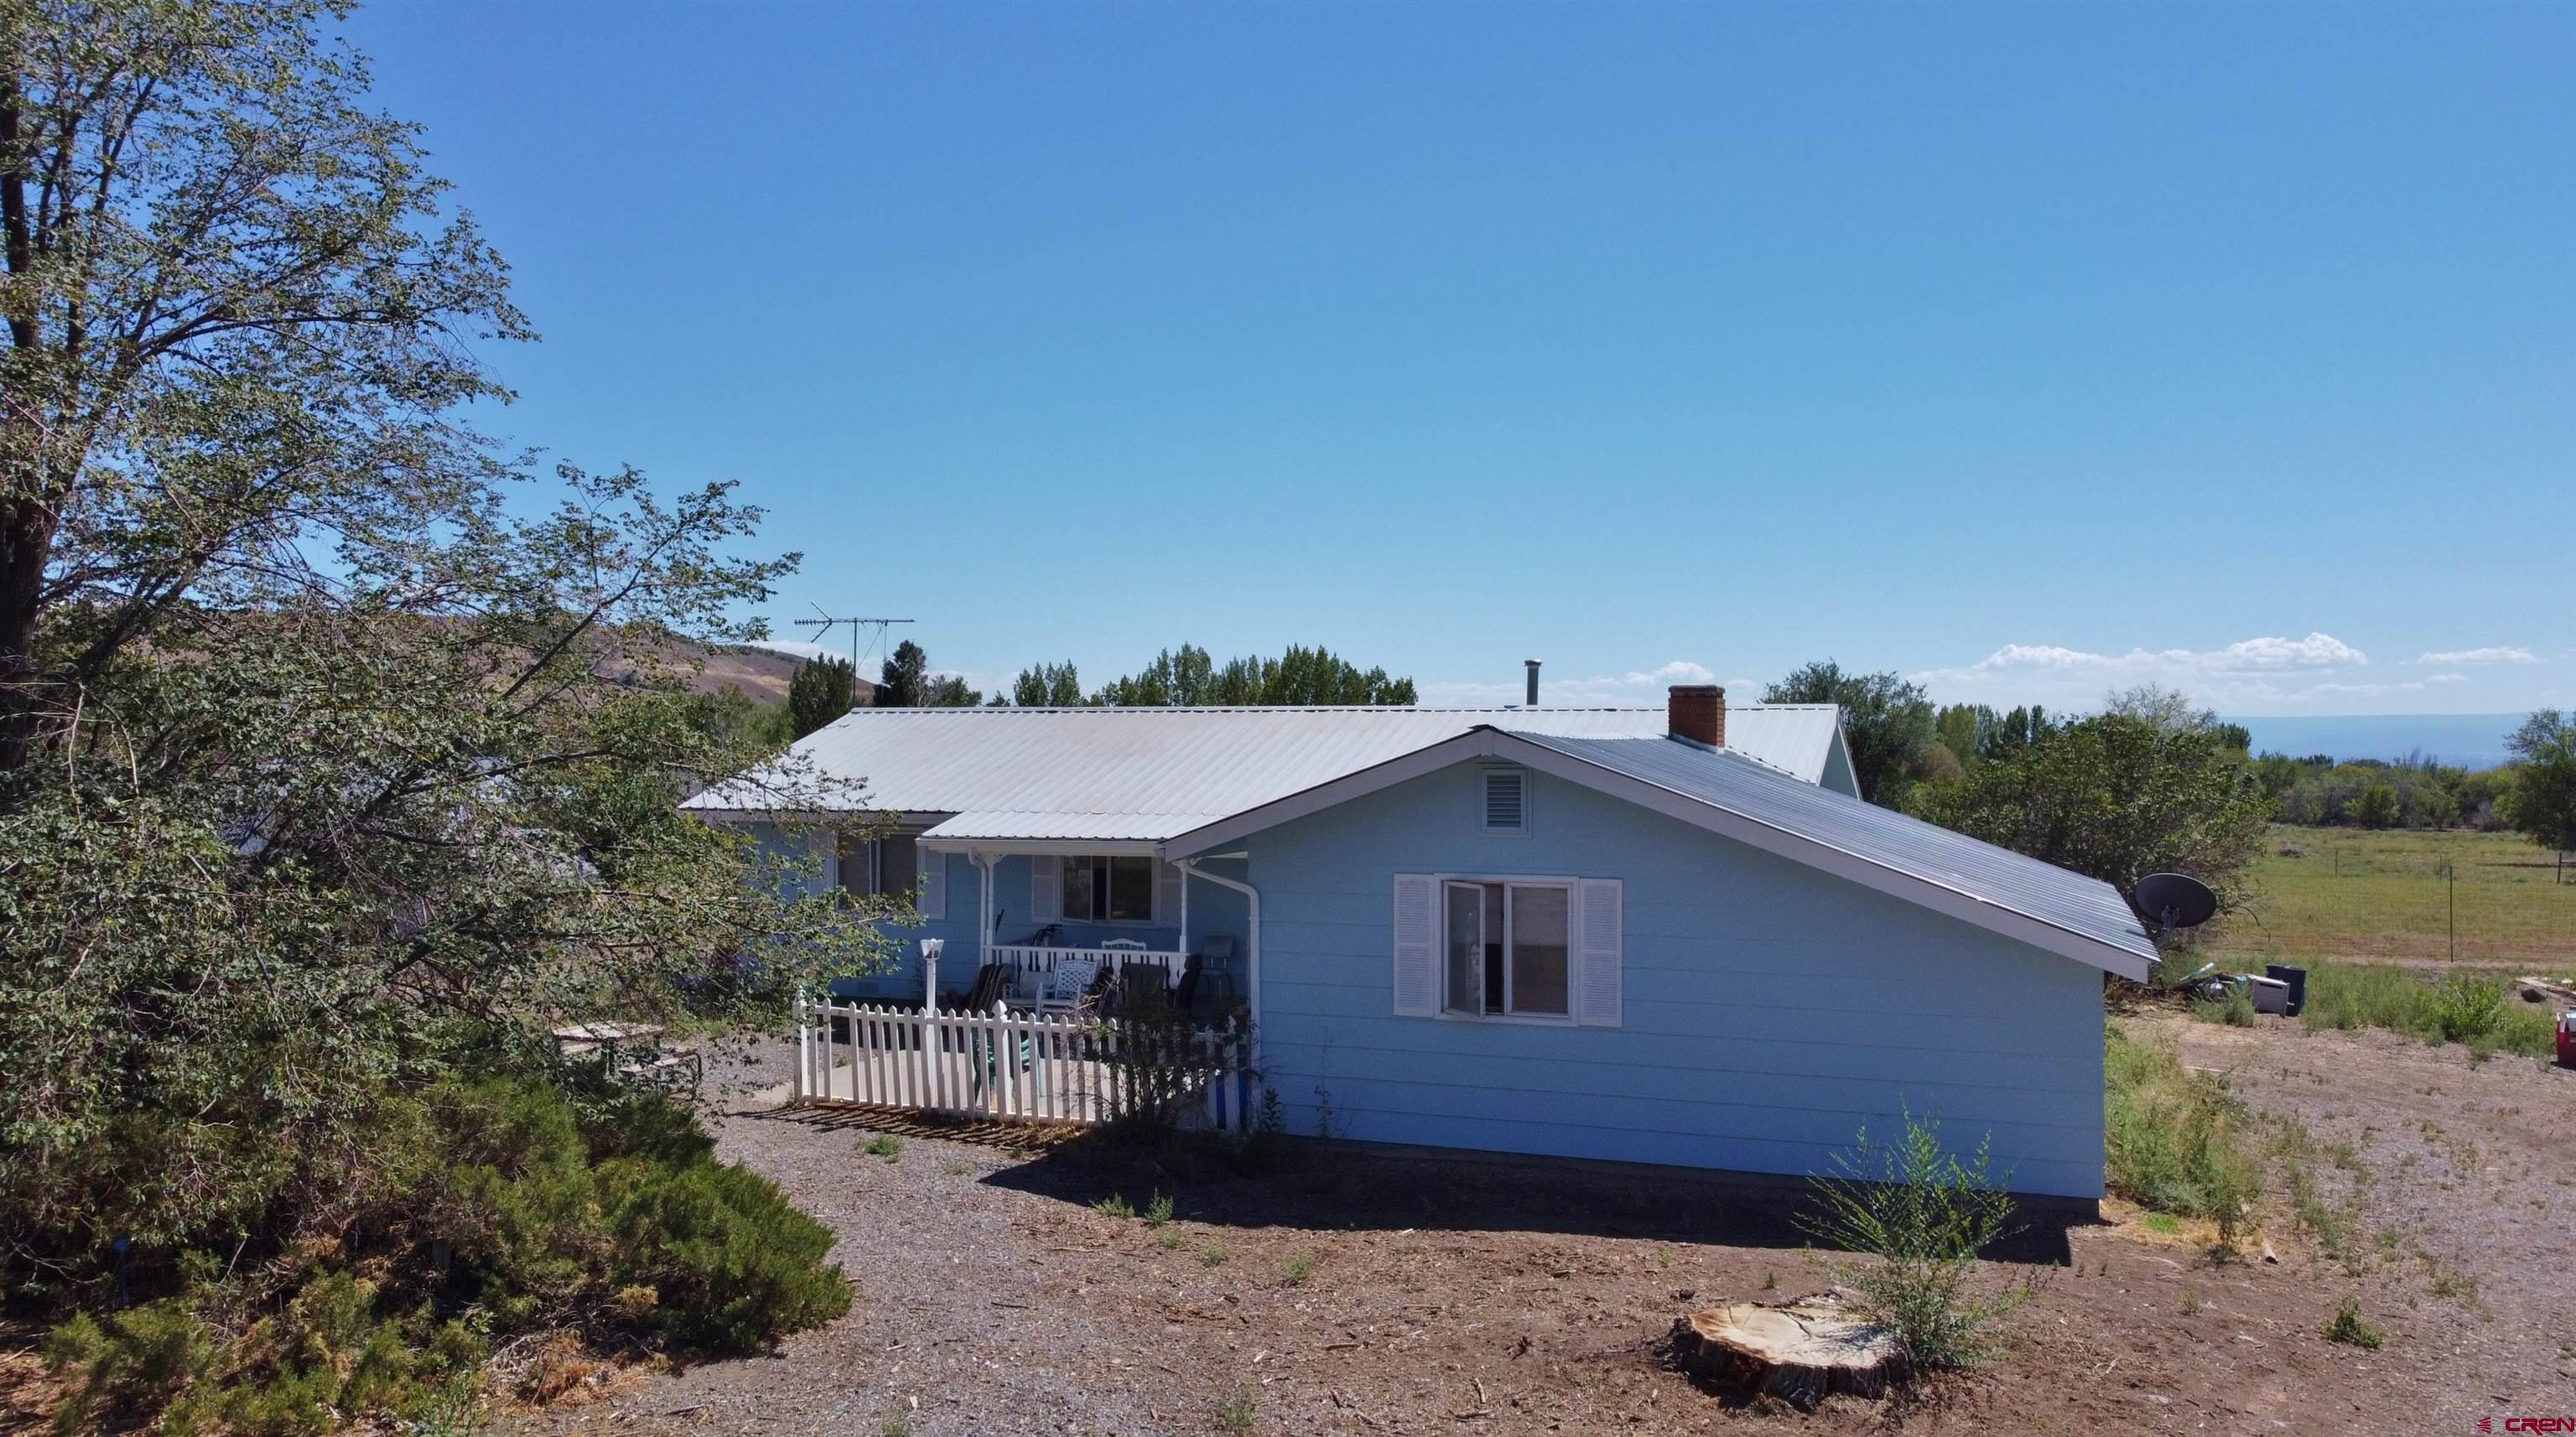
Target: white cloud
[2257,670]
[2495,654]
[1633,688]
[2446,678]
[1679,671]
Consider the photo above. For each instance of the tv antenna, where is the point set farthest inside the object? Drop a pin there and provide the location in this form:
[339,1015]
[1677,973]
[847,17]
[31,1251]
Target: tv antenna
[825,623]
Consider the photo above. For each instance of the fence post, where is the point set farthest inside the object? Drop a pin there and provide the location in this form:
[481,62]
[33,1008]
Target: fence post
[804,1050]
[930,1036]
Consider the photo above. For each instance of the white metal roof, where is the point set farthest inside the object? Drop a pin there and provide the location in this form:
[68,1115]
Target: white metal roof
[1143,774]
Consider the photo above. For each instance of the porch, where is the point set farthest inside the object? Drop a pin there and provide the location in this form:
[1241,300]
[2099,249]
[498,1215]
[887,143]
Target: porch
[1021,1064]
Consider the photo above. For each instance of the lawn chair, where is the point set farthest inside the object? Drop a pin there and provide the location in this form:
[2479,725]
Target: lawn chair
[1067,988]
[991,982]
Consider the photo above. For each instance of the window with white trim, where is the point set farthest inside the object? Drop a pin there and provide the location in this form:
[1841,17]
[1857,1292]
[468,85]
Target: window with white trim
[1508,948]
[1108,888]
[874,867]
[1504,948]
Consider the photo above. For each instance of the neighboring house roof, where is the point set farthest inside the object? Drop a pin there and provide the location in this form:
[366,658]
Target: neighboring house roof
[1995,888]
[1144,774]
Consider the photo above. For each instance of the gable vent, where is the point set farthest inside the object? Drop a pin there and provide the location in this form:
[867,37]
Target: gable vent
[1505,800]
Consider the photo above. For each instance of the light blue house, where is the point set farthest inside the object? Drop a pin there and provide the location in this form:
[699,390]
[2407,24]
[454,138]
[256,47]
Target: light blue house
[1667,936]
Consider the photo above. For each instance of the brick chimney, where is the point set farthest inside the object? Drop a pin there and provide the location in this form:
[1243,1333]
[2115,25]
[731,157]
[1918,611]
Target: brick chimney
[1697,712]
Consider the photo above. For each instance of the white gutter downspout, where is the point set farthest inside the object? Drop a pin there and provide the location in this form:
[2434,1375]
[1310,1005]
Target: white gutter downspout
[1252,941]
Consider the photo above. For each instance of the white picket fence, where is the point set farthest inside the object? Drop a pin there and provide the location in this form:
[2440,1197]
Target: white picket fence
[1015,1066]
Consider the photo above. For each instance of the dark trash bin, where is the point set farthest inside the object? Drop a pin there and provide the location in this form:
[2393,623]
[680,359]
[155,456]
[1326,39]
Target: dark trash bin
[2297,978]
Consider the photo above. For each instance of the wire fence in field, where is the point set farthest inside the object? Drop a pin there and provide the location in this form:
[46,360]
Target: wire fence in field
[2409,895]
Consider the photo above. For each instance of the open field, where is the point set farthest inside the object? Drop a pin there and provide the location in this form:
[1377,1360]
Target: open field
[1366,1292]
[2352,893]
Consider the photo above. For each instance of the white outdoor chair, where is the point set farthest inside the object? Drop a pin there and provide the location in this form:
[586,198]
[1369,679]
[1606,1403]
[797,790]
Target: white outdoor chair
[1067,985]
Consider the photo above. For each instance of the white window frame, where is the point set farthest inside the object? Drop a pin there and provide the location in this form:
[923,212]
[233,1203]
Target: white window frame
[1153,895]
[1484,806]
[1573,888]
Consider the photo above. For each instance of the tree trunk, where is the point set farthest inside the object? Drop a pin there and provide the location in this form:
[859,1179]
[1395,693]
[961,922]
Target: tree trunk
[1797,1352]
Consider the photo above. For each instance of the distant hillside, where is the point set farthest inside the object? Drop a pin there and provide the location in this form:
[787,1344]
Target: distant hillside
[761,674]
[2467,740]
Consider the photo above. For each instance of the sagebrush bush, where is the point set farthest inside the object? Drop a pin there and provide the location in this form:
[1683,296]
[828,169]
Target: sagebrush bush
[2174,1140]
[1922,1215]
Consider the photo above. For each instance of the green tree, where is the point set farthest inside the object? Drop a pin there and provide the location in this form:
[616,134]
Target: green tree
[1887,720]
[241,315]
[1300,676]
[2014,732]
[820,691]
[2541,804]
[949,691]
[2375,807]
[2119,798]
[1048,686]
[903,682]
[1182,676]
[1966,730]
[329,770]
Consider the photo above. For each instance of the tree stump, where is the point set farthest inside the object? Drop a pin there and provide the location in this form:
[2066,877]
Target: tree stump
[1798,1351]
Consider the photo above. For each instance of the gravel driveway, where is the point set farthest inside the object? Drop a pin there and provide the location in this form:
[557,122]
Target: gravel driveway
[1369,1293]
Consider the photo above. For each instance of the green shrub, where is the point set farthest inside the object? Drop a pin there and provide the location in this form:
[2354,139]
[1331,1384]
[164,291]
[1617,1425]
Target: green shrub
[131,1366]
[2459,1008]
[525,1205]
[2174,1140]
[2236,1010]
[735,1266]
[2467,1009]
[1922,1215]
[2349,1328]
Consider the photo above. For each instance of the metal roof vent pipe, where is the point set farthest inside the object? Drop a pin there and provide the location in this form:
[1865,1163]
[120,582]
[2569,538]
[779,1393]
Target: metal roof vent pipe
[1696,712]
[1533,683]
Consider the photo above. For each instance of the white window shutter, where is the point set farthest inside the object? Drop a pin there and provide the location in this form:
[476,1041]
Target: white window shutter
[1596,993]
[932,899]
[1046,887]
[1417,945]
[1167,894]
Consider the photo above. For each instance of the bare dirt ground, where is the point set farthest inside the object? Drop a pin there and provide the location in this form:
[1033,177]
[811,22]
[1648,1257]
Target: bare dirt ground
[1368,1293]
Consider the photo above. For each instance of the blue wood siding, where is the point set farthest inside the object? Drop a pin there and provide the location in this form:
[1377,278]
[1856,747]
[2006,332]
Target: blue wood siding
[1771,1011]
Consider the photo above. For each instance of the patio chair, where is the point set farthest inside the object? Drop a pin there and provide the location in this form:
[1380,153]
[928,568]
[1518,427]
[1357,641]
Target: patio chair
[1068,985]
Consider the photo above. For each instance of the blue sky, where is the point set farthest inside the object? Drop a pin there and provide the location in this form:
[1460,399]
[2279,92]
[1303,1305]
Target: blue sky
[2028,350]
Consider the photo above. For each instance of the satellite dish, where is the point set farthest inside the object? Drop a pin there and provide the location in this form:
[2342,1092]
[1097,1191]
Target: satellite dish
[2176,900]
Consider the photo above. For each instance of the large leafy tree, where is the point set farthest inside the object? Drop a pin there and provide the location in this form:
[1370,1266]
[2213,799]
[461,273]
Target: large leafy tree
[1048,686]
[820,691]
[2541,804]
[2119,797]
[1300,676]
[324,772]
[903,680]
[1887,720]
